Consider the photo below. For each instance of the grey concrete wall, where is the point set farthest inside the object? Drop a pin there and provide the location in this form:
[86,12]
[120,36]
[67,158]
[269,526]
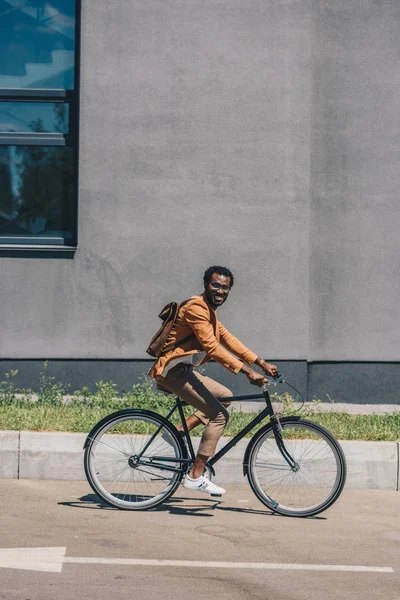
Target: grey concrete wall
[355,179]
[352,383]
[77,374]
[198,121]
[195,125]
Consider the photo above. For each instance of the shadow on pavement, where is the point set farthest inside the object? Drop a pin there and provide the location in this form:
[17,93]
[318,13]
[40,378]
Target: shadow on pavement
[204,507]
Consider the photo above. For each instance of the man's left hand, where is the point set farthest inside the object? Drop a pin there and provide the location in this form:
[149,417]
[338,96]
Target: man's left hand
[269,369]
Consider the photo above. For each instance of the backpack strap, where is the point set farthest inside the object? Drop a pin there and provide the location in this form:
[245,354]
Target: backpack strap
[182,341]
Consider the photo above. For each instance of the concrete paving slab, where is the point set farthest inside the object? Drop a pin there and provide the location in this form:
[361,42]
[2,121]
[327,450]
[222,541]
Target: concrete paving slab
[340,407]
[9,454]
[258,405]
[50,455]
[371,465]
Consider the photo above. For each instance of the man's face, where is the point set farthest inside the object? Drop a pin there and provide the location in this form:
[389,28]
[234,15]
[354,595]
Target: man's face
[217,289]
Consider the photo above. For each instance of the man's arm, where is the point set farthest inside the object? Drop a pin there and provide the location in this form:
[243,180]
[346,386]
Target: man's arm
[198,319]
[238,349]
[268,368]
[235,346]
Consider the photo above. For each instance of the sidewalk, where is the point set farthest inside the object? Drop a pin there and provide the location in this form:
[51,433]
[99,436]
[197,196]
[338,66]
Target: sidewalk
[48,455]
[258,405]
[351,409]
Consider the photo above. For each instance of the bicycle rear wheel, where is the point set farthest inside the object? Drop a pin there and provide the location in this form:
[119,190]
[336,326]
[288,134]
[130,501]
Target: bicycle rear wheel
[132,459]
[315,482]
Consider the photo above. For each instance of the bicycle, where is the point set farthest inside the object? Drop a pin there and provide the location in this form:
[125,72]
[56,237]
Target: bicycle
[135,459]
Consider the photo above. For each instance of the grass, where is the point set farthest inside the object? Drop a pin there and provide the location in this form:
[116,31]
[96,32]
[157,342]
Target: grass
[29,416]
[50,411]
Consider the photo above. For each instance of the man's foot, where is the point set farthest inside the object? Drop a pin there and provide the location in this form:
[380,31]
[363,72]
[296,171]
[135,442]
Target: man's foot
[203,484]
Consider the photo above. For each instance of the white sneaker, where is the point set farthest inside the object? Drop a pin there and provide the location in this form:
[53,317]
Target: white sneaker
[203,484]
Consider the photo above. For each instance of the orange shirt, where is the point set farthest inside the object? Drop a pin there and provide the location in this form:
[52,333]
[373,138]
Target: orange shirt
[199,317]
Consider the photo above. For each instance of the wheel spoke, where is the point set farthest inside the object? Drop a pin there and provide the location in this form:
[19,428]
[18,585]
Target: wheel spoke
[313,485]
[110,447]
[115,471]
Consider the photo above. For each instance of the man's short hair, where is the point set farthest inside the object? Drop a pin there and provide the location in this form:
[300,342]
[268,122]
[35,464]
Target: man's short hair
[220,271]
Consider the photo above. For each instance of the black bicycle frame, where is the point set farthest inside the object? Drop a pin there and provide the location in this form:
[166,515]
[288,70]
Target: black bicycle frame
[267,412]
[276,428]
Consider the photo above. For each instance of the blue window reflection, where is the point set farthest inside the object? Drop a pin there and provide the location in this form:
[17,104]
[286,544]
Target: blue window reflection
[37,191]
[37,42]
[26,117]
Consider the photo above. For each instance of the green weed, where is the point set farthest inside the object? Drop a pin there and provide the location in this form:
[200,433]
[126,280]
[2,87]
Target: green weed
[53,410]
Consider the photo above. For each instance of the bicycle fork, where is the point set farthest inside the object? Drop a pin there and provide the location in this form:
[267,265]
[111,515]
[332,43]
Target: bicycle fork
[277,429]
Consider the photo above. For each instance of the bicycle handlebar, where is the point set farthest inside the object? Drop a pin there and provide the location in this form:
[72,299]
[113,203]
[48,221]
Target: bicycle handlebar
[280,379]
[273,382]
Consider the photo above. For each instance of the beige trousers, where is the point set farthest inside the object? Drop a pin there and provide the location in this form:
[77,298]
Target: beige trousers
[202,393]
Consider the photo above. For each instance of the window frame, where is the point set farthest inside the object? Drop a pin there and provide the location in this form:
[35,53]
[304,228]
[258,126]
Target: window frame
[70,139]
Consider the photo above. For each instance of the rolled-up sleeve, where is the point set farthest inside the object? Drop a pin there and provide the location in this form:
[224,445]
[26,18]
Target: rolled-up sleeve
[198,319]
[235,346]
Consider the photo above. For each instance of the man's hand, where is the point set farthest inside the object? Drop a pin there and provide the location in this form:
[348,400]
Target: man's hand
[268,368]
[254,377]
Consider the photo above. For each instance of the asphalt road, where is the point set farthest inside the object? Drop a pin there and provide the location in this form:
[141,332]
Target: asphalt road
[362,529]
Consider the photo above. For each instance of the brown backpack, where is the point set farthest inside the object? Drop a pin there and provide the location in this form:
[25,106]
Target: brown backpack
[168,316]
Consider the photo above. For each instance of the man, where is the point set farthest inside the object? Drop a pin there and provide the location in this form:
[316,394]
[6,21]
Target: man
[196,337]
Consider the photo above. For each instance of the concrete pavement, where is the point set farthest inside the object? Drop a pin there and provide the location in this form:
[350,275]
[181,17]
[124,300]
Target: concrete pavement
[342,407]
[48,455]
[360,530]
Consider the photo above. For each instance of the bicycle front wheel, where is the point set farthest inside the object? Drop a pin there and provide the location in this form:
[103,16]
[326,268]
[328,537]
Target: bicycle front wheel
[132,459]
[312,484]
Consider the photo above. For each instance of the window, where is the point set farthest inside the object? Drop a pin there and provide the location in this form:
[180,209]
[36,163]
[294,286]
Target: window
[39,53]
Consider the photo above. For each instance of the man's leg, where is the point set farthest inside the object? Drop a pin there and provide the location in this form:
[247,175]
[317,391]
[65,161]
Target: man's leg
[218,390]
[192,389]
[191,422]
[199,466]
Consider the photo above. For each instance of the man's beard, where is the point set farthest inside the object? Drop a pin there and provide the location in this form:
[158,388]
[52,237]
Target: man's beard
[218,300]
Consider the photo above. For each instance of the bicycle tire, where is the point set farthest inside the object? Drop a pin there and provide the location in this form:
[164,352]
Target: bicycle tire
[110,461]
[321,473]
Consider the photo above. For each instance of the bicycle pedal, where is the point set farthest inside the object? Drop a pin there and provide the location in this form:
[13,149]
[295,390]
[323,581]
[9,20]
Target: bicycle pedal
[216,495]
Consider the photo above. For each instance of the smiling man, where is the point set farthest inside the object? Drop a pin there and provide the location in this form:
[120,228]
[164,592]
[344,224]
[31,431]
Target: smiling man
[196,337]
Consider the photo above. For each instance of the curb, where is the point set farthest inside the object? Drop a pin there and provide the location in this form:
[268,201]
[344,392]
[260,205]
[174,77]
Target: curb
[341,407]
[48,455]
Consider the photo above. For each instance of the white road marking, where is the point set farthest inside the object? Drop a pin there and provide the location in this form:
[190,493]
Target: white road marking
[52,560]
[33,559]
[223,565]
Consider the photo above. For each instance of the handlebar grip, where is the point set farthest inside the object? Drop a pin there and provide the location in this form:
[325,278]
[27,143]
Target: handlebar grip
[273,382]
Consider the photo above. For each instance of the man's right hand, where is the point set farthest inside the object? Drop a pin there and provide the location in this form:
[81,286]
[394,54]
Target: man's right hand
[254,377]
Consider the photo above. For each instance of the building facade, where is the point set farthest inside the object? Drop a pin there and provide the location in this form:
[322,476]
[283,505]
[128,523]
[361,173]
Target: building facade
[143,141]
